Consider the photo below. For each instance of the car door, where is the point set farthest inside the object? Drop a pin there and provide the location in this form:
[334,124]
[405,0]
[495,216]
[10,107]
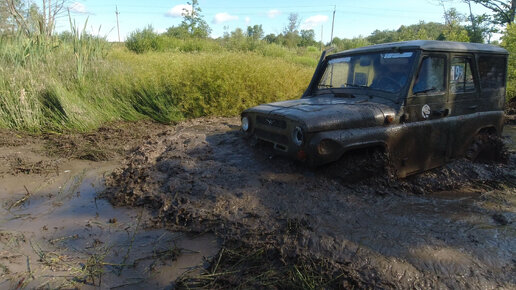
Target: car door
[425,138]
[464,100]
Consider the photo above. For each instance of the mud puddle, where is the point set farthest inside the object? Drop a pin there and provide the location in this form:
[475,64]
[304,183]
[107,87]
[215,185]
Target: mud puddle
[453,227]
[56,233]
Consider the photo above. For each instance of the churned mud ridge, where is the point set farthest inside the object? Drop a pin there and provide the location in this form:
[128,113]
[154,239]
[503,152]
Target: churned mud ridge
[24,153]
[453,227]
[105,143]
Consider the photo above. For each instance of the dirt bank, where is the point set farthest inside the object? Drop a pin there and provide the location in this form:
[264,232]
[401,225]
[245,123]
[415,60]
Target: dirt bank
[286,225]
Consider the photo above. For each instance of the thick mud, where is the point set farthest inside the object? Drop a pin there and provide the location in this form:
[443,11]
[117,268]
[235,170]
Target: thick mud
[452,227]
[56,233]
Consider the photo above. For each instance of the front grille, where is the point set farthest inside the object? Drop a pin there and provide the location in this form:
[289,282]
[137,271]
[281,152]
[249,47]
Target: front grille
[272,137]
[271,122]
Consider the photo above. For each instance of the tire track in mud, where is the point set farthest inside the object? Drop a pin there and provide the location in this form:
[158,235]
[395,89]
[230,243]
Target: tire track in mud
[450,227]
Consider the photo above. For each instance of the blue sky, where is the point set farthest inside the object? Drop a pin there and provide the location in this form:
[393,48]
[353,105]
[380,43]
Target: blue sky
[353,18]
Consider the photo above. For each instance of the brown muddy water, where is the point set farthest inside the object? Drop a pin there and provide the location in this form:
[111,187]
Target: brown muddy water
[56,233]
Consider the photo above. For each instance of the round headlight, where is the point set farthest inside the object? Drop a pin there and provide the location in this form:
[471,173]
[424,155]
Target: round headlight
[298,136]
[245,124]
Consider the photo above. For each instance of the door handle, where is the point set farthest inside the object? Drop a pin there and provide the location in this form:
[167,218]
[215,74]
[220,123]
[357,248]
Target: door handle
[473,107]
[441,113]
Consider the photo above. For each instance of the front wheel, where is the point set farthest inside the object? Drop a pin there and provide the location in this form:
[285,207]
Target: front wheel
[487,148]
[358,165]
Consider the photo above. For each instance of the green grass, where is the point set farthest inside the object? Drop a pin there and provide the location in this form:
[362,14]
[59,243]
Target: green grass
[183,85]
[79,84]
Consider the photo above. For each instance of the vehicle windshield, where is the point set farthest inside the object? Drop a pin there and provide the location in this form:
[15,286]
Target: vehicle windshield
[382,71]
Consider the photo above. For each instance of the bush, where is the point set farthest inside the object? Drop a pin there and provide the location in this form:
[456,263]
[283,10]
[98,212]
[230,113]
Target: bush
[509,43]
[141,41]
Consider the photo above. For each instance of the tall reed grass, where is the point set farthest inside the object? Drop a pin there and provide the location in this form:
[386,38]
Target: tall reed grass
[77,85]
[182,85]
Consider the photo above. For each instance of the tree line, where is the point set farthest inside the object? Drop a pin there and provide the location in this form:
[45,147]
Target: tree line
[38,18]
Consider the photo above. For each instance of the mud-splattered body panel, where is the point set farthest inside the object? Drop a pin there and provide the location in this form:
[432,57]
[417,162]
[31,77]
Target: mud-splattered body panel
[422,102]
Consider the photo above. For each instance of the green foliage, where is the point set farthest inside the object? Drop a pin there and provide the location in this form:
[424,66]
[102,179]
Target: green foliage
[503,10]
[255,32]
[509,43]
[345,44]
[307,38]
[453,30]
[193,24]
[208,84]
[41,91]
[179,74]
[141,41]
[86,48]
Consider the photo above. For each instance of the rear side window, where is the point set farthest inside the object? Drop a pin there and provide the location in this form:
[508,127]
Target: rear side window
[492,72]
[461,76]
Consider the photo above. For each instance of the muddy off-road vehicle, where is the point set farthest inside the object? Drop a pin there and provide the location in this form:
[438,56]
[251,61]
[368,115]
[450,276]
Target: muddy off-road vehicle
[421,103]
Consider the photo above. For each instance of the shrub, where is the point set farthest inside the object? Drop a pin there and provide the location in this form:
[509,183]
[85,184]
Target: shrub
[509,43]
[141,41]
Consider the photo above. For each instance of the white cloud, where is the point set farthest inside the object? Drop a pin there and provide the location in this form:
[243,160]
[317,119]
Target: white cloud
[247,20]
[78,7]
[179,10]
[224,17]
[312,21]
[273,13]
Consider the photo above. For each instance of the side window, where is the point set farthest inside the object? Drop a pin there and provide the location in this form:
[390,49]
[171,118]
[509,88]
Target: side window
[430,76]
[492,72]
[461,77]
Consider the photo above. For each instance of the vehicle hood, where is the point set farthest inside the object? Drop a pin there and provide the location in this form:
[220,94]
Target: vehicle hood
[328,112]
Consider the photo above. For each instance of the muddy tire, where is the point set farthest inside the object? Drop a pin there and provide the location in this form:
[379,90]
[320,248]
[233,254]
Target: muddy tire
[487,148]
[356,166]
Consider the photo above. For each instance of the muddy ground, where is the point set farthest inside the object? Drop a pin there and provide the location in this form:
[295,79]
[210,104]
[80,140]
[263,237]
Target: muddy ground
[203,207]
[286,225]
[55,233]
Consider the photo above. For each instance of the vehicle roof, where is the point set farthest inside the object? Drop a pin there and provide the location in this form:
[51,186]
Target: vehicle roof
[428,45]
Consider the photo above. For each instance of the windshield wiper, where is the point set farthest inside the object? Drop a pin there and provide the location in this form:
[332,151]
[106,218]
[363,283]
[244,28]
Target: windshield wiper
[426,90]
[331,88]
[355,85]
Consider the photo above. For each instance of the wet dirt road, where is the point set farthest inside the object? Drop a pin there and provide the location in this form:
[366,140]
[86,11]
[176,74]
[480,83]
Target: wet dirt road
[453,227]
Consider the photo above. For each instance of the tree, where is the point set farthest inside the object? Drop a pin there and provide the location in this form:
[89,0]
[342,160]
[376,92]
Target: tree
[45,18]
[422,30]
[509,43]
[307,38]
[290,32]
[345,43]
[7,22]
[180,32]
[453,30]
[255,32]
[503,10]
[194,23]
[293,23]
[271,38]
